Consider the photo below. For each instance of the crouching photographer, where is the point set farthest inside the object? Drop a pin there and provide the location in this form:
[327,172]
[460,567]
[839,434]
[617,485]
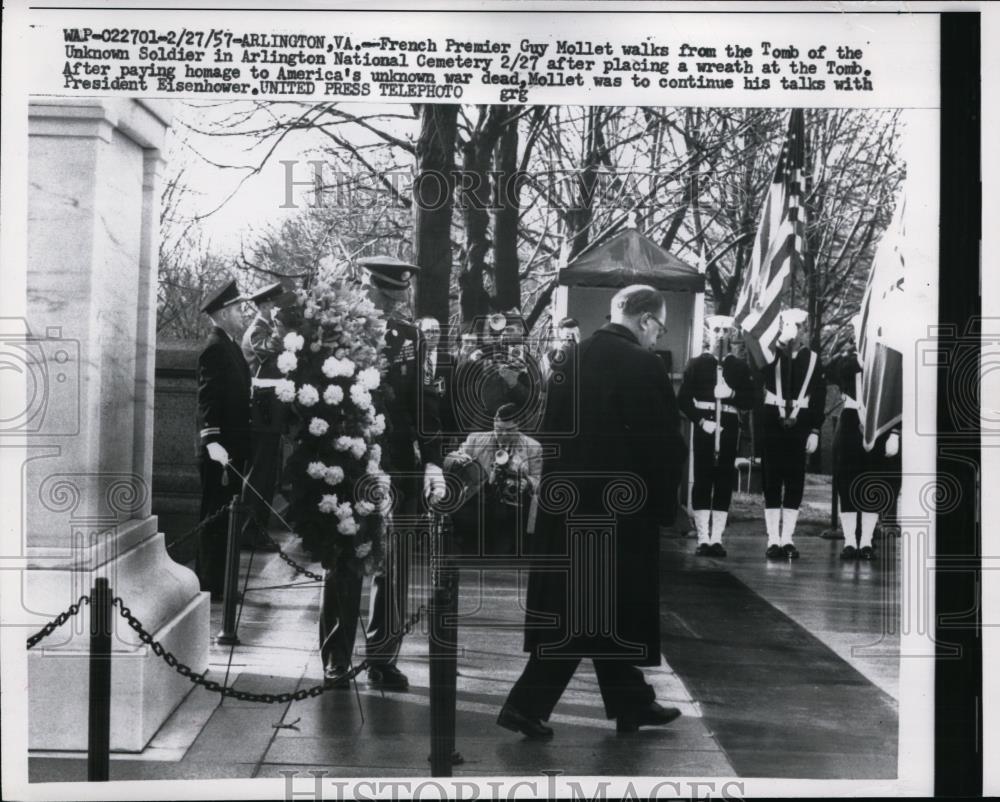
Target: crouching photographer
[500,471]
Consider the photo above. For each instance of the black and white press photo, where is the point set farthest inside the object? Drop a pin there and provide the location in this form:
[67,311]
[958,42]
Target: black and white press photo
[515,404]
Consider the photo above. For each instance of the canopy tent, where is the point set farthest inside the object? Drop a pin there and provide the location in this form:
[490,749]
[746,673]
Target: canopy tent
[587,284]
[631,258]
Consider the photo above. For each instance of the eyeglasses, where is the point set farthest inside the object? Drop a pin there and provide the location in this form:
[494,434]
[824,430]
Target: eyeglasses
[661,328]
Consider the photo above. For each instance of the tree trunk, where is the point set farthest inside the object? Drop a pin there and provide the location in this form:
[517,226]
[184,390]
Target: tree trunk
[506,214]
[432,194]
[475,199]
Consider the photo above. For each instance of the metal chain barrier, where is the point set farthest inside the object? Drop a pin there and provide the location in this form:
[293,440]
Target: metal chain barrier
[57,622]
[210,519]
[299,570]
[228,691]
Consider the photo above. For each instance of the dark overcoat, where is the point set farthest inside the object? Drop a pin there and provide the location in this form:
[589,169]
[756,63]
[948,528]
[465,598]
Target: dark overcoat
[612,412]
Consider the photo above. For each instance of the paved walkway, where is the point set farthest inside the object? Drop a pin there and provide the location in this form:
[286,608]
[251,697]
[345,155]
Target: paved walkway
[362,732]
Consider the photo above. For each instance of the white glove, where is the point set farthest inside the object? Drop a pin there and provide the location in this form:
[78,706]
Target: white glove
[434,487]
[892,445]
[708,426]
[723,390]
[217,452]
[812,443]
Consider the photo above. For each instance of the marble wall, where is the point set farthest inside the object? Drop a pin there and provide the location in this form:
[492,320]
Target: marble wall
[94,169]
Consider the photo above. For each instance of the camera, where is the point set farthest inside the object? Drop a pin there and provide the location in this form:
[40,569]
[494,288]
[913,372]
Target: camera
[50,368]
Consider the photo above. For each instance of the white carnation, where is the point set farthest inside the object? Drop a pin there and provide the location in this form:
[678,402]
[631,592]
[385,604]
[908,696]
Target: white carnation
[308,395]
[348,526]
[375,454]
[364,508]
[294,341]
[333,394]
[344,510]
[343,443]
[360,397]
[369,378]
[285,390]
[378,425]
[333,475]
[362,550]
[334,367]
[287,361]
[316,470]
[318,427]
[328,504]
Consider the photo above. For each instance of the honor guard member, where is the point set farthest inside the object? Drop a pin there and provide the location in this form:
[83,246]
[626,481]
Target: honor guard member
[223,429]
[717,385]
[412,447]
[268,416]
[794,397]
[855,469]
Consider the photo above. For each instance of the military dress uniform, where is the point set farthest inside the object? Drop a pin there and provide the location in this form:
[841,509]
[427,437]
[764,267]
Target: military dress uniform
[223,416]
[794,399]
[861,477]
[712,490]
[269,420]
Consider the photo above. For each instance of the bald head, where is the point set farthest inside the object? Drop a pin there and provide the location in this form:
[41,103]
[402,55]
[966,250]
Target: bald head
[642,310]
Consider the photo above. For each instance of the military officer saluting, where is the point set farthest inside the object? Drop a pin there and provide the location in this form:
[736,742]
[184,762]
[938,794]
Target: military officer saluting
[223,419]
[717,385]
[794,399]
[261,345]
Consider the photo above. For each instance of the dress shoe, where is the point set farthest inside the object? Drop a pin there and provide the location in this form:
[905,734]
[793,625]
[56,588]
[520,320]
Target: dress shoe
[388,678]
[337,677]
[716,550]
[533,728]
[790,551]
[703,550]
[849,553]
[867,553]
[774,552]
[654,715]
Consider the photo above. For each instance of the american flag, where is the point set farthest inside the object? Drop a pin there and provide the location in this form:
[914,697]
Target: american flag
[883,335]
[778,248]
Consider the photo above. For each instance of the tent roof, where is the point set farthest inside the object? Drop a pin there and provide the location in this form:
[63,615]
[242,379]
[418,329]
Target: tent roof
[631,258]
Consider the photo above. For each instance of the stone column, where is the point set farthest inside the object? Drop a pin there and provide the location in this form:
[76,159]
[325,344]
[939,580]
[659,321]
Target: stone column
[93,231]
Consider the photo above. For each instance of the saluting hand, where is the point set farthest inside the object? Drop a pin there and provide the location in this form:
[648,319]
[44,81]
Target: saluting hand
[892,445]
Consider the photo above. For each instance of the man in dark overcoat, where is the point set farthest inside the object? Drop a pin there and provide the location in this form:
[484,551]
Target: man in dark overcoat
[223,420]
[612,484]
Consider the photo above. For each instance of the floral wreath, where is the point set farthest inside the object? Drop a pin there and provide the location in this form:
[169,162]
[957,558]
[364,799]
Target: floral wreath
[340,494]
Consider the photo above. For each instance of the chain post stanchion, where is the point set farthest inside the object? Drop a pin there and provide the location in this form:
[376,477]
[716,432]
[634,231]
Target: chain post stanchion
[833,533]
[228,636]
[99,708]
[443,646]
